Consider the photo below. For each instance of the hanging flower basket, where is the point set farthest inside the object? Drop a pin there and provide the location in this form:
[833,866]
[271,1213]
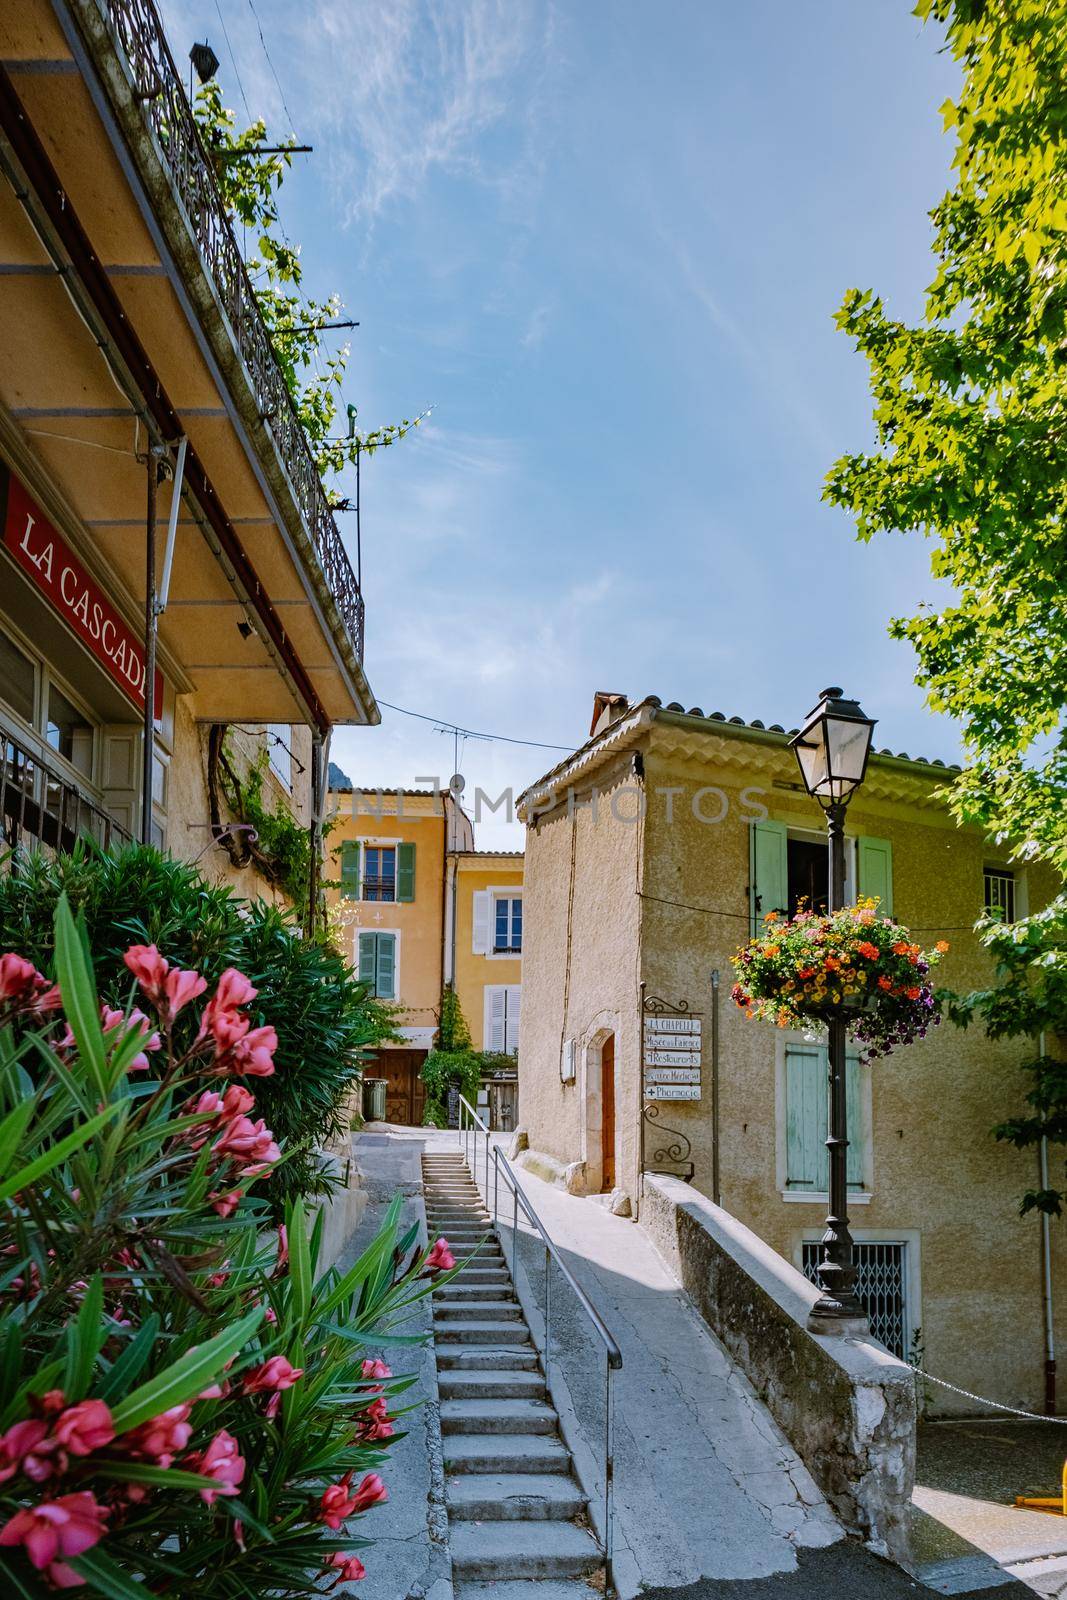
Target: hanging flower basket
[850,964]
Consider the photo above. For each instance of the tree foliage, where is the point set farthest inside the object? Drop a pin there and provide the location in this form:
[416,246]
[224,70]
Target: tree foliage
[249,182]
[971,451]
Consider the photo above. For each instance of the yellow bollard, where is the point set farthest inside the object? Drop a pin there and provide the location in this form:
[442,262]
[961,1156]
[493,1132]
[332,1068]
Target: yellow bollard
[1056,1504]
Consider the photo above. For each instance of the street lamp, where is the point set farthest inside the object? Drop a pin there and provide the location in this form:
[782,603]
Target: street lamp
[832,749]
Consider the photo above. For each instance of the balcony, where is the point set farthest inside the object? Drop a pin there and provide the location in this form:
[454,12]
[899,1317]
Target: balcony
[40,807]
[130,51]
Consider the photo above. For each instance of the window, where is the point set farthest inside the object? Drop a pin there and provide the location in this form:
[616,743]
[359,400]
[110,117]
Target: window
[788,866]
[379,872]
[69,732]
[279,752]
[807,1113]
[18,675]
[1000,893]
[502,1002]
[807,867]
[881,1284]
[378,964]
[507,925]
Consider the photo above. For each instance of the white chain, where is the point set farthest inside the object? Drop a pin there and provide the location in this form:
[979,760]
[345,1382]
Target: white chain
[1033,1416]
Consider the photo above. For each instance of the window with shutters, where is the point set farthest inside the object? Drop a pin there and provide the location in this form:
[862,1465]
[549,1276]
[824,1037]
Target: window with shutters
[789,867]
[378,964]
[502,1004]
[379,872]
[805,1113]
[507,924]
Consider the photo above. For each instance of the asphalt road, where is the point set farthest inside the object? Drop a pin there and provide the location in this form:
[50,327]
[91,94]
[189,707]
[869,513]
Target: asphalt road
[844,1571]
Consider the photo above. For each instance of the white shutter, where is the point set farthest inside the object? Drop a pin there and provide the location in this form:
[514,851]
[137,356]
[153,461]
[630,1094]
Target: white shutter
[121,774]
[495,1016]
[483,905]
[513,999]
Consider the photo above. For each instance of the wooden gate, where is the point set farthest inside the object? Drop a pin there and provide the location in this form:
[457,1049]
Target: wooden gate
[405,1096]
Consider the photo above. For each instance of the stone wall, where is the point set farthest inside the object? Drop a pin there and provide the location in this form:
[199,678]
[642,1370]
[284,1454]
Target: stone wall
[846,1405]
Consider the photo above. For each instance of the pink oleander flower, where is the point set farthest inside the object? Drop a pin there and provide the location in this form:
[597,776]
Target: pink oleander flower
[243,1049]
[371,1492]
[244,1140]
[85,1427]
[221,1461]
[275,1374]
[149,968]
[181,987]
[161,1438]
[232,991]
[65,1527]
[50,1403]
[374,1423]
[374,1369]
[282,1260]
[349,1568]
[440,1258]
[114,1021]
[20,1441]
[225,1204]
[22,986]
[336,1503]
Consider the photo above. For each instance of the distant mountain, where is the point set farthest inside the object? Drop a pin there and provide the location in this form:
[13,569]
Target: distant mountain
[335,778]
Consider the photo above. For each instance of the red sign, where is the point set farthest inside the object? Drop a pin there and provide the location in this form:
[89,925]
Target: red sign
[55,570]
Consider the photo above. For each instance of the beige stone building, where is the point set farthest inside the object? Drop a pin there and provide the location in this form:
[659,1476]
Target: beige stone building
[419,908]
[144,422]
[651,854]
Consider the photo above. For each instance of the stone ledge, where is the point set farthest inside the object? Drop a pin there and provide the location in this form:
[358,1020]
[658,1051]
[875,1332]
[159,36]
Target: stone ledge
[846,1405]
[562,1175]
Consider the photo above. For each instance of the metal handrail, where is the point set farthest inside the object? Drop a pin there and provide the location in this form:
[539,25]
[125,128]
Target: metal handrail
[471,1123]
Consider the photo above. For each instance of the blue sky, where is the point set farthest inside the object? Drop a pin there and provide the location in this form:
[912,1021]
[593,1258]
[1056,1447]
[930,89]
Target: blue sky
[605,242]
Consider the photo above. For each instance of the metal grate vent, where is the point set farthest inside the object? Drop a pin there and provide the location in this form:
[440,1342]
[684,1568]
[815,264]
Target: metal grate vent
[881,1284]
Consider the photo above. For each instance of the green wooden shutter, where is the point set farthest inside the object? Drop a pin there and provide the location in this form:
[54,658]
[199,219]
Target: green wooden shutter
[807,1112]
[855,1164]
[350,869]
[385,975]
[405,872]
[769,874]
[367,973]
[876,873]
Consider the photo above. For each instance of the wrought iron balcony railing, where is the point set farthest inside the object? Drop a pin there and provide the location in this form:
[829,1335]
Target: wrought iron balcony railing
[155,83]
[39,806]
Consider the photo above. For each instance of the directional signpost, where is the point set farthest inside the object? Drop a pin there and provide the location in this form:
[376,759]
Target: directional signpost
[671,1057]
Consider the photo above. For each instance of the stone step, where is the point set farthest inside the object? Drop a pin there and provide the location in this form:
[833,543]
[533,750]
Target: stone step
[481,1332]
[485,1358]
[514,1497]
[498,1416]
[486,1275]
[504,1383]
[523,1550]
[506,1452]
[463,1289]
[519,1589]
[478,1310]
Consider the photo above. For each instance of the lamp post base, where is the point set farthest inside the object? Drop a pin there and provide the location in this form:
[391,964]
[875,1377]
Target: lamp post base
[843,1319]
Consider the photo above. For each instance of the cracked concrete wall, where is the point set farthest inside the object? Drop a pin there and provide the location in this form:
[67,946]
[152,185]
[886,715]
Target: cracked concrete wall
[846,1405]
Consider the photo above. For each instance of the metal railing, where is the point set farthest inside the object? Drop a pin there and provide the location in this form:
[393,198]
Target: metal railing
[40,806]
[471,1130]
[155,83]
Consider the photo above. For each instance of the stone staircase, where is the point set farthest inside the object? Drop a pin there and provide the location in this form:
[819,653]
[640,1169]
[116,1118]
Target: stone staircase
[518,1528]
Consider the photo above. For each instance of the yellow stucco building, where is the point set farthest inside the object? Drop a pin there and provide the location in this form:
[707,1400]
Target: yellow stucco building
[419,908]
[651,853]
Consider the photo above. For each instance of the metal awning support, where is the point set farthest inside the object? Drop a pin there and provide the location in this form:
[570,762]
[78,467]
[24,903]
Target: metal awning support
[172,526]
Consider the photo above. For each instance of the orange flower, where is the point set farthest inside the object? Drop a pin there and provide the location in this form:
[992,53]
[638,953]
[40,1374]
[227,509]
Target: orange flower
[772,916]
[832,964]
[901,948]
[805,972]
[869,950]
[913,993]
[884,983]
[941,946]
[772,950]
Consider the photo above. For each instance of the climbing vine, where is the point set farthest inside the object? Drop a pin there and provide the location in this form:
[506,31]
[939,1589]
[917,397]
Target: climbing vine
[266,837]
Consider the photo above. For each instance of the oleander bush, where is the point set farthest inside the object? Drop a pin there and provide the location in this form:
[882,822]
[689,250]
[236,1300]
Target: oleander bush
[323,1017]
[186,1407]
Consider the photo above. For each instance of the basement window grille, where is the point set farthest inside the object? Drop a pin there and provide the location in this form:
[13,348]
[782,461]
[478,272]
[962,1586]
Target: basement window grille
[1000,893]
[881,1284]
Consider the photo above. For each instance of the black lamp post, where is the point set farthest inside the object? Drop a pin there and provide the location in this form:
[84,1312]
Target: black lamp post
[832,749]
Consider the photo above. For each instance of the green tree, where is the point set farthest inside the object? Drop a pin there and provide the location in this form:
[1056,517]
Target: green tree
[971,451]
[249,183]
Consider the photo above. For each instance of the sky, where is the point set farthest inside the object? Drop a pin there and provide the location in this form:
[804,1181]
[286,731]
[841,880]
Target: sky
[605,244]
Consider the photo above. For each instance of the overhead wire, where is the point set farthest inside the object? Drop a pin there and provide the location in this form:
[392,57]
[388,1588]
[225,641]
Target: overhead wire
[233,61]
[270,63]
[471,733]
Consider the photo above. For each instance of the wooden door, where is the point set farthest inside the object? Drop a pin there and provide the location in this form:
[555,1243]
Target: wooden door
[607,1101]
[405,1095]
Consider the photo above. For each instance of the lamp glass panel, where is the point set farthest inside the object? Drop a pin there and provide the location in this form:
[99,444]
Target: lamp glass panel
[811,754]
[848,750]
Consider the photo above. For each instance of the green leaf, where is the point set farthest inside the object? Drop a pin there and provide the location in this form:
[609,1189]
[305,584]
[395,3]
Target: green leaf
[57,1153]
[127,1365]
[184,1378]
[12,1129]
[106,1576]
[299,1262]
[75,976]
[142,1472]
[85,1335]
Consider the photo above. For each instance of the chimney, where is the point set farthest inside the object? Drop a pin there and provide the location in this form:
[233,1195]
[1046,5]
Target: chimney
[606,707]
